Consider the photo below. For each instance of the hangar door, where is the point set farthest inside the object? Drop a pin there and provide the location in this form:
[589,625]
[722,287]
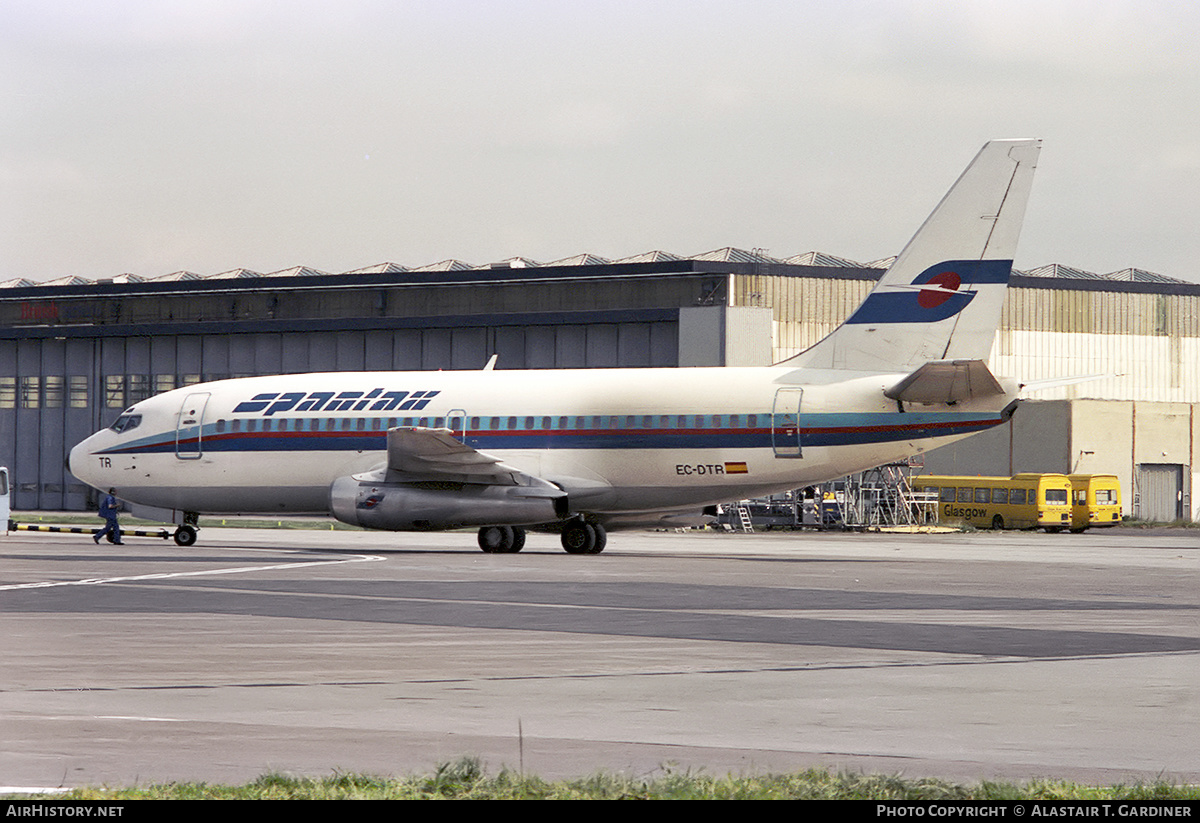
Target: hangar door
[1159,492]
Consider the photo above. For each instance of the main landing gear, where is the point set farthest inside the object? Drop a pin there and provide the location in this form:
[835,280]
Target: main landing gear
[501,539]
[580,537]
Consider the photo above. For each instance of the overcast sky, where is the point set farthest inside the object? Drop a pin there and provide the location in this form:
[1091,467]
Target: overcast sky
[150,137]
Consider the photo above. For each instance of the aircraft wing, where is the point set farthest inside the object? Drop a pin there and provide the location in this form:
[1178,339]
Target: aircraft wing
[415,455]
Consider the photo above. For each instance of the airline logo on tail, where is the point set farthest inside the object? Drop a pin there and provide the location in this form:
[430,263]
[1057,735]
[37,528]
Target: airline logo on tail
[939,292]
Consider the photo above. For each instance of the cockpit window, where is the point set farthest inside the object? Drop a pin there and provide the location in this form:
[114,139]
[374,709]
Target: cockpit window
[126,422]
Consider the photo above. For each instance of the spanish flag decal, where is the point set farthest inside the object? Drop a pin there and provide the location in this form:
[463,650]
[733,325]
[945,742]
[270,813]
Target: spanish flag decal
[736,468]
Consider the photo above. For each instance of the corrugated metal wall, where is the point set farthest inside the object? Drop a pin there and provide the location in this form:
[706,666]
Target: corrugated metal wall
[806,309]
[1149,344]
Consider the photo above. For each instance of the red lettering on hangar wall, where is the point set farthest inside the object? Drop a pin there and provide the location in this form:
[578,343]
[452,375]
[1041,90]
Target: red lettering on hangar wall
[39,311]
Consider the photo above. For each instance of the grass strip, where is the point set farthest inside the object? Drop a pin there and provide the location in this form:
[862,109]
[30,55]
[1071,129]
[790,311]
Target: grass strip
[466,779]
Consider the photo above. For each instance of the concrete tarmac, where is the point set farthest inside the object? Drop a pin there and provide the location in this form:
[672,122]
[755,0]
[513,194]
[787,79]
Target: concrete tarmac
[965,656]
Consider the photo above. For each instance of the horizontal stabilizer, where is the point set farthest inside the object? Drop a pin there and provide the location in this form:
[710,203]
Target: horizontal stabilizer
[1058,382]
[946,381]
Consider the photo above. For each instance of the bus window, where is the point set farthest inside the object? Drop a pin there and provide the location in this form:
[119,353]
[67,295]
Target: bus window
[1000,496]
[983,495]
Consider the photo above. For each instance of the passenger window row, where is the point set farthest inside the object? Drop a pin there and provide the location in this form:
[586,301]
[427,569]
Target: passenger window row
[485,424]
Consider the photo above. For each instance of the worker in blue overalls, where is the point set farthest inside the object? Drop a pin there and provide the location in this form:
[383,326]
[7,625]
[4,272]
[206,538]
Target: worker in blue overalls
[109,507]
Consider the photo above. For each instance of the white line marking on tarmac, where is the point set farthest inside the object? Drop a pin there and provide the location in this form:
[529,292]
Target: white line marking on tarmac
[96,581]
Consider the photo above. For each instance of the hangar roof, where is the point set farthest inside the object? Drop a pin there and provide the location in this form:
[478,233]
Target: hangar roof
[728,254]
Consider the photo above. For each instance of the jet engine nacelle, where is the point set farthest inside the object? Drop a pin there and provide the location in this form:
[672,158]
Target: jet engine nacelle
[374,503]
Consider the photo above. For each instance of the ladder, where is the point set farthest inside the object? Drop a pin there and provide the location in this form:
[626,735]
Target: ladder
[743,513]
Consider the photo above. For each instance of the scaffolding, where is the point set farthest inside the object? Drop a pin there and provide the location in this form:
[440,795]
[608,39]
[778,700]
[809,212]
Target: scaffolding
[877,498]
[883,496]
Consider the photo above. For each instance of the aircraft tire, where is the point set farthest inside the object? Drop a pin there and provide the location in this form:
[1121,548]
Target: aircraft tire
[518,542]
[579,538]
[496,539]
[185,536]
[601,539]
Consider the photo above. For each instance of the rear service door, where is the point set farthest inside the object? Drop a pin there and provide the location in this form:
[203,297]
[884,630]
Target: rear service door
[785,422]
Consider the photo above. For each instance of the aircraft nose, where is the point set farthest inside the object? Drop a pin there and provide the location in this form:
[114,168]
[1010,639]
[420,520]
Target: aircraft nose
[77,462]
[71,458]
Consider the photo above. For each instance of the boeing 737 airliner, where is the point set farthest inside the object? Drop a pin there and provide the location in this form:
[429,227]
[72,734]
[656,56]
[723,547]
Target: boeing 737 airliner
[586,450]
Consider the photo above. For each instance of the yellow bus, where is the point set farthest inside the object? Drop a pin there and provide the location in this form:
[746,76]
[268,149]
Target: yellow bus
[1095,500]
[1023,501]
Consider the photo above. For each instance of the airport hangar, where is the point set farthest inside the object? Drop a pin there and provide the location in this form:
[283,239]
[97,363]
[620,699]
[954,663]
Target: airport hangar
[74,352]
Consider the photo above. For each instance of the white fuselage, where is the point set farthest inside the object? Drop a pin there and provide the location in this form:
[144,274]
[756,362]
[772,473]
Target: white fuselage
[618,441]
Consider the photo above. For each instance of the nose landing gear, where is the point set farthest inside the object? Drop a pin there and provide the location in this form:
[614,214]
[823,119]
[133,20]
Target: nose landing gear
[185,535]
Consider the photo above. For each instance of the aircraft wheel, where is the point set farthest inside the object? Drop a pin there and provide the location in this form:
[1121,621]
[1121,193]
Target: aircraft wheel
[518,539]
[579,538]
[185,536]
[601,539]
[496,539]
[997,522]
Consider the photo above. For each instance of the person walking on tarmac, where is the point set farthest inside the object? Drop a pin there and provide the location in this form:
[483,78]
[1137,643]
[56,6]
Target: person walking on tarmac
[109,507]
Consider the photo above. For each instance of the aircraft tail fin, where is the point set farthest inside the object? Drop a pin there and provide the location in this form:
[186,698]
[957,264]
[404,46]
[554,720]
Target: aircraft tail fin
[941,298]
